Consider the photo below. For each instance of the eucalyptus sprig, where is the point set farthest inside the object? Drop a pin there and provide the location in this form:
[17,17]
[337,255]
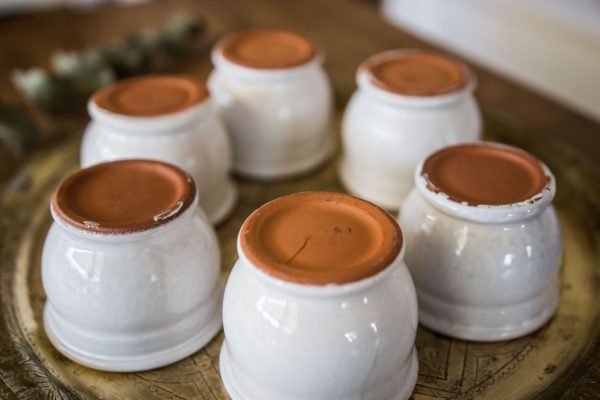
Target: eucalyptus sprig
[75,76]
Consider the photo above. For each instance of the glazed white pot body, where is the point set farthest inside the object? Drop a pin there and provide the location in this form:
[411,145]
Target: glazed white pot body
[194,140]
[135,301]
[385,136]
[482,274]
[286,341]
[279,120]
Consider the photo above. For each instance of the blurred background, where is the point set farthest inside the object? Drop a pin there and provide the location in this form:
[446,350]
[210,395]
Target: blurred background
[552,46]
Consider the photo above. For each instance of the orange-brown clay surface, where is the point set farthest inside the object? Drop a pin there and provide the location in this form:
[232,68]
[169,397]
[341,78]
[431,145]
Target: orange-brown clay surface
[123,196]
[150,96]
[320,238]
[484,174]
[417,73]
[267,49]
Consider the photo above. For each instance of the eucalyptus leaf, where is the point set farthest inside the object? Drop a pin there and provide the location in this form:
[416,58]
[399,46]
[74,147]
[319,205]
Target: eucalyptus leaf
[50,92]
[18,132]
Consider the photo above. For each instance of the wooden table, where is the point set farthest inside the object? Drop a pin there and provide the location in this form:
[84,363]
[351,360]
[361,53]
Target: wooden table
[349,31]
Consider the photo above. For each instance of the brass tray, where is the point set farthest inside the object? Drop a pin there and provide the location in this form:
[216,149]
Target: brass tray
[536,366]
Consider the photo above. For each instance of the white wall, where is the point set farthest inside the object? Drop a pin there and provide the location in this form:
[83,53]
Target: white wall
[552,46]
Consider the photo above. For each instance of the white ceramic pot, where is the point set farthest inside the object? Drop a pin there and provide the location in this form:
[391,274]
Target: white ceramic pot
[132,301]
[291,341]
[193,138]
[485,272]
[279,119]
[385,134]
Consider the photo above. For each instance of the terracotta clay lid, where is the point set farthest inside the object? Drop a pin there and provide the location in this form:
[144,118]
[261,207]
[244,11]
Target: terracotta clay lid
[150,96]
[267,49]
[124,196]
[484,174]
[320,238]
[417,73]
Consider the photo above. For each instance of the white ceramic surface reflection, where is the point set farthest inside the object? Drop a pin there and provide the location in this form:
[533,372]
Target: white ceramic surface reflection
[482,273]
[279,119]
[385,135]
[193,139]
[288,341]
[132,302]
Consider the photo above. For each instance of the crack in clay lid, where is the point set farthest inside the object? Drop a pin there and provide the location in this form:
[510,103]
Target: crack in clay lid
[320,238]
[124,196]
[267,49]
[150,96]
[484,174]
[416,73]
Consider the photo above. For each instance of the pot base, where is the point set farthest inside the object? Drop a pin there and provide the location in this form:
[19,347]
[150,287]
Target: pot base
[288,170]
[236,393]
[372,189]
[57,330]
[220,210]
[488,325]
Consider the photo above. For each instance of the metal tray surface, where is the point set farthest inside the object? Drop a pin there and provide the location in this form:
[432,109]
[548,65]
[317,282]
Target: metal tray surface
[534,366]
